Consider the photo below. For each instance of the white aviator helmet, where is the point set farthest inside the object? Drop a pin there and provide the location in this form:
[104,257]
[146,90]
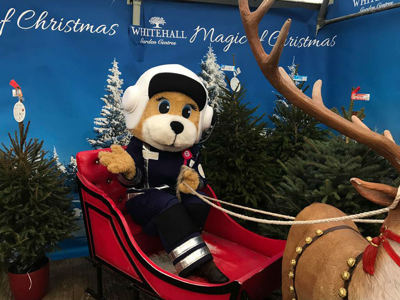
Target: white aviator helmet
[171,77]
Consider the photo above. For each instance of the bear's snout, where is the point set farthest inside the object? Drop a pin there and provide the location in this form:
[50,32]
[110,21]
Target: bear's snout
[177,127]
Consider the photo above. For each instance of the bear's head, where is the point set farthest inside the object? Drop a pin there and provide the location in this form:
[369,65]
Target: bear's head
[167,108]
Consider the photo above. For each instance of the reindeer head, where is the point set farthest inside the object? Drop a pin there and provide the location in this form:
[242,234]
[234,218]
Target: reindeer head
[384,145]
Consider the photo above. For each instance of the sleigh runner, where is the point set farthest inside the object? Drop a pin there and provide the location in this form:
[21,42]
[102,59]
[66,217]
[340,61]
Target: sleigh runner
[251,262]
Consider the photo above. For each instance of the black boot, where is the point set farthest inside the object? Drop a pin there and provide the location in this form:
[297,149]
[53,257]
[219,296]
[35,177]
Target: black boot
[211,272]
[185,246]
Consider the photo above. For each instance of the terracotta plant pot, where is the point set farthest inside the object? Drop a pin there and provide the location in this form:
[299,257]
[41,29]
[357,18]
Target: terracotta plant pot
[30,286]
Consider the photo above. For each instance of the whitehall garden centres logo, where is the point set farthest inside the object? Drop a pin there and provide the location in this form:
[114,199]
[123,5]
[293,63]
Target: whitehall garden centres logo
[369,5]
[158,35]
[157,21]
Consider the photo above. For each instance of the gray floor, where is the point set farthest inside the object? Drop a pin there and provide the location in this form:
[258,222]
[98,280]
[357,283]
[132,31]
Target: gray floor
[69,279]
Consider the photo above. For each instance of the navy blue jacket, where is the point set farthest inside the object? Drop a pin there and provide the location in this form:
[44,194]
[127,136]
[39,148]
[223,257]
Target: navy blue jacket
[163,166]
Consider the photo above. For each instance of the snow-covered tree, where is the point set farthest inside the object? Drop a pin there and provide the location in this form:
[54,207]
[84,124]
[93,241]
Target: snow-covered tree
[110,127]
[59,165]
[71,170]
[68,171]
[72,167]
[213,78]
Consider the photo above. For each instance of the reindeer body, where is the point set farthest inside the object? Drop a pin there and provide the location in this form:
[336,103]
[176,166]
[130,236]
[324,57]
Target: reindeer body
[317,271]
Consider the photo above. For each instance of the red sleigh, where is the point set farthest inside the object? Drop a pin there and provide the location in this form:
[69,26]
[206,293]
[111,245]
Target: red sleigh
[252,262]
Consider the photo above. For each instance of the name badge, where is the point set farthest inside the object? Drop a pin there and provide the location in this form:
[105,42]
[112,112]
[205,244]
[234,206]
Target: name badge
[147,154]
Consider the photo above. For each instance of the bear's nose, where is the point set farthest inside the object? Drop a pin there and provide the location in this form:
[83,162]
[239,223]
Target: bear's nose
[177,127]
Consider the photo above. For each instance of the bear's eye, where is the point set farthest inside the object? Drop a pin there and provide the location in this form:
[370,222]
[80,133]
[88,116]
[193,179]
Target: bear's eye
[186,111]
[163,106]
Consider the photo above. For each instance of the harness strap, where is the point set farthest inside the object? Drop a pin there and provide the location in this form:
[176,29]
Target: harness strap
[371,251]
[300,251]
[347,275]
[393,255]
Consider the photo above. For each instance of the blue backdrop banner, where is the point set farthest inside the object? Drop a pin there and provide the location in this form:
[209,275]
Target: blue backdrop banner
[367,56]
[60,54]
[346,7]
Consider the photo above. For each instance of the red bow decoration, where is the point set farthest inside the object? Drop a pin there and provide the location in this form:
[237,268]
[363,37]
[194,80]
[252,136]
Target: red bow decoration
[14,84]
[369,256]
[355,91]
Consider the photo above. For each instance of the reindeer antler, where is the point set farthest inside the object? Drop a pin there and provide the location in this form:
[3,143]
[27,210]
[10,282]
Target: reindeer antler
[280,80]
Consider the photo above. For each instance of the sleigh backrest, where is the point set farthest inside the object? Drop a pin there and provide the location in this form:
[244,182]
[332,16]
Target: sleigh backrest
[90,168]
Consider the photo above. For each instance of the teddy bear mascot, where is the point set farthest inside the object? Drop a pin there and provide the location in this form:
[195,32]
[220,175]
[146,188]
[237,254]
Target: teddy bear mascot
[167,111]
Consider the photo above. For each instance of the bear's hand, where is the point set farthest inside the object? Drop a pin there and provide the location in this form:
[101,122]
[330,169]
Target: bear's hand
[189,176]
[118,161]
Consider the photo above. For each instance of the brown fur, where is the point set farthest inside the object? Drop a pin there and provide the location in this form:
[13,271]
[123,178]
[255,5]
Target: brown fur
[189,176]
[119,161]
[177,102]
[320,265]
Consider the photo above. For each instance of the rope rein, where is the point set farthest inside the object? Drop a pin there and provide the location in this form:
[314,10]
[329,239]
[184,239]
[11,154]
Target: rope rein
[355,217]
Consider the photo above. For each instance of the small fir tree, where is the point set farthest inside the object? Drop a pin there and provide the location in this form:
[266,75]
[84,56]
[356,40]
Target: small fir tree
[348,113]
[110,127]
[35,211]
[234,156]
[291,126]
[213,78]
[321,172]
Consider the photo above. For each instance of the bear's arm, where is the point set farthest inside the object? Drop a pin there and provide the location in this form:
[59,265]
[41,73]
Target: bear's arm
[134,149]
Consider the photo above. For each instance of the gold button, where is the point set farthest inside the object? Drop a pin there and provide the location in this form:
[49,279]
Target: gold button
[319,232]
[293,262]
[342,292]
[345,275]
[299,250]
[308,240]
[291,274]
[351,262]
[291,289]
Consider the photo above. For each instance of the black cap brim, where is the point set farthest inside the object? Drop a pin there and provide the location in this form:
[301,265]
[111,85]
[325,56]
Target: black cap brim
[173,82]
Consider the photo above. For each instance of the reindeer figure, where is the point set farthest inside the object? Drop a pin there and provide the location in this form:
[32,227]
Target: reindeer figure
[332,260]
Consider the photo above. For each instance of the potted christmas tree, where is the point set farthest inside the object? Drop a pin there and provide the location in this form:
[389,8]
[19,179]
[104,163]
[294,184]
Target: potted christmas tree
[35,214]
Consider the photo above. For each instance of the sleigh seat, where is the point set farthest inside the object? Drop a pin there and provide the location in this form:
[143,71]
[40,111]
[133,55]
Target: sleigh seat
[252,262]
